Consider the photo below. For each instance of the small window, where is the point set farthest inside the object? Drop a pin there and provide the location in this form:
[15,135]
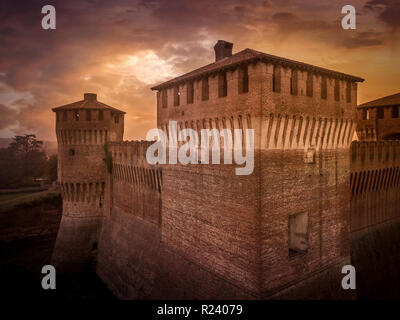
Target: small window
[116,118]
[293,83]
[298,233]
[189,93]
[276,79]
[204,89]
[76,115]
[164,98]
[395,112]
[71,152]
[65,117]
[177,96]
[101,116]
[381,114]
[364,114]
[310,84]
[324,88]
[337,90]
[348,91]
[243,79]
[88,115]
[222,85]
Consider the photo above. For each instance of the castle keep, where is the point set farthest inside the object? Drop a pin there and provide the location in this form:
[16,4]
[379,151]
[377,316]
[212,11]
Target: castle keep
[200,231]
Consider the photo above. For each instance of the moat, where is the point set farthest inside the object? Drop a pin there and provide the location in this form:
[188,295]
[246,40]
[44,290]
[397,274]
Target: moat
[24,253]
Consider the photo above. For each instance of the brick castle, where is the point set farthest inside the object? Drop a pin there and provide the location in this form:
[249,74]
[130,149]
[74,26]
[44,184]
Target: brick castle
[200,231]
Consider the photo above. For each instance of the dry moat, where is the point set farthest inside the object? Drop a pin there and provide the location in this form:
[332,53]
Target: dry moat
[28,227]
[29,230]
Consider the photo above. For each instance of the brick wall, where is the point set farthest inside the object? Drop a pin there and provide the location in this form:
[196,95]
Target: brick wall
[375,183]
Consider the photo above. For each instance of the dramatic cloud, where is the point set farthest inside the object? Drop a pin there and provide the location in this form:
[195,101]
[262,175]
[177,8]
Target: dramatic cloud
[120,48]
[388,11]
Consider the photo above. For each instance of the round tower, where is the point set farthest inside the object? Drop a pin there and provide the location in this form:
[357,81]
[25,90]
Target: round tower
[83,129]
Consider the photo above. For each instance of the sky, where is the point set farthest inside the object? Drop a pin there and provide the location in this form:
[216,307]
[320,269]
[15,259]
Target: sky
[119,49]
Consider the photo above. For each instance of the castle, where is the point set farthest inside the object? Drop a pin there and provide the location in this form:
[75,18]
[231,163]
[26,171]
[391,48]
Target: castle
[379,119]
[200,231]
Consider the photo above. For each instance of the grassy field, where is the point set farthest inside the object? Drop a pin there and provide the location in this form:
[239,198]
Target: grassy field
[11,196]
[21,200]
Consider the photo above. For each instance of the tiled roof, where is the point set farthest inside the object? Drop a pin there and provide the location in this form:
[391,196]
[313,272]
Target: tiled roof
[249,56]
[87,104]
[391,100]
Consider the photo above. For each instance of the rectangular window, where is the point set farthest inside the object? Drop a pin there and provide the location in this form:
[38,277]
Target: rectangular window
[395,112]
[310,84]
[337,90]
[164,98]
[324,88]
[116,118]
[65,117]
[243,78]
[298,233]
[88,115]
[293,83]
[348,91]
[381,114]
[190,92]
[222,85]
[204,89]
[364,114]
[176,96]
[101,117]
[276,79]
[76,115]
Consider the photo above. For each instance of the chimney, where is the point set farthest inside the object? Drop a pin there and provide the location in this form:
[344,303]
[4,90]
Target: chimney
[223,49]
[90,96]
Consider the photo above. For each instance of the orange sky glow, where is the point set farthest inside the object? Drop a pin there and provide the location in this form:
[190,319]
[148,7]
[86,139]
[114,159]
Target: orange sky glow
[119,49]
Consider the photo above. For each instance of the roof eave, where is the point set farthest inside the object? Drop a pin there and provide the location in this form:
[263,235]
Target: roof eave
[99,108]
[297,65]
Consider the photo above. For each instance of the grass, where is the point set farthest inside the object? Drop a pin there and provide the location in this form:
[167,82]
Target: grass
[11,196]
[26,200]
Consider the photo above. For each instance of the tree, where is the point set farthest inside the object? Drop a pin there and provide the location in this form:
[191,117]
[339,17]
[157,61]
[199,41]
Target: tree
[8,171]
[23,160]
[51,168]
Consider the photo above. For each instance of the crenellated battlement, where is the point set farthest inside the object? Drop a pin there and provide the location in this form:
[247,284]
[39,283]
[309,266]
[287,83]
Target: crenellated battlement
[89,192]
[283,131]
[82,136]
[129,152]
[374,182]
[374,154]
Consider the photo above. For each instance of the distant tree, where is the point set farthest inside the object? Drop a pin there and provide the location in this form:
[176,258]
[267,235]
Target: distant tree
[51,168]
[23,160]
[8,169]
[25,144]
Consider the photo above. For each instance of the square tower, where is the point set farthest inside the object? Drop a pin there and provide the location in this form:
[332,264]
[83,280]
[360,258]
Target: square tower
[286,223]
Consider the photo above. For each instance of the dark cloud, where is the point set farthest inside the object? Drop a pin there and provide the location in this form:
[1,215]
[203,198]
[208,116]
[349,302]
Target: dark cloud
[388,11]
[364,39]
[54,67]
[8,117]
[326,31]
